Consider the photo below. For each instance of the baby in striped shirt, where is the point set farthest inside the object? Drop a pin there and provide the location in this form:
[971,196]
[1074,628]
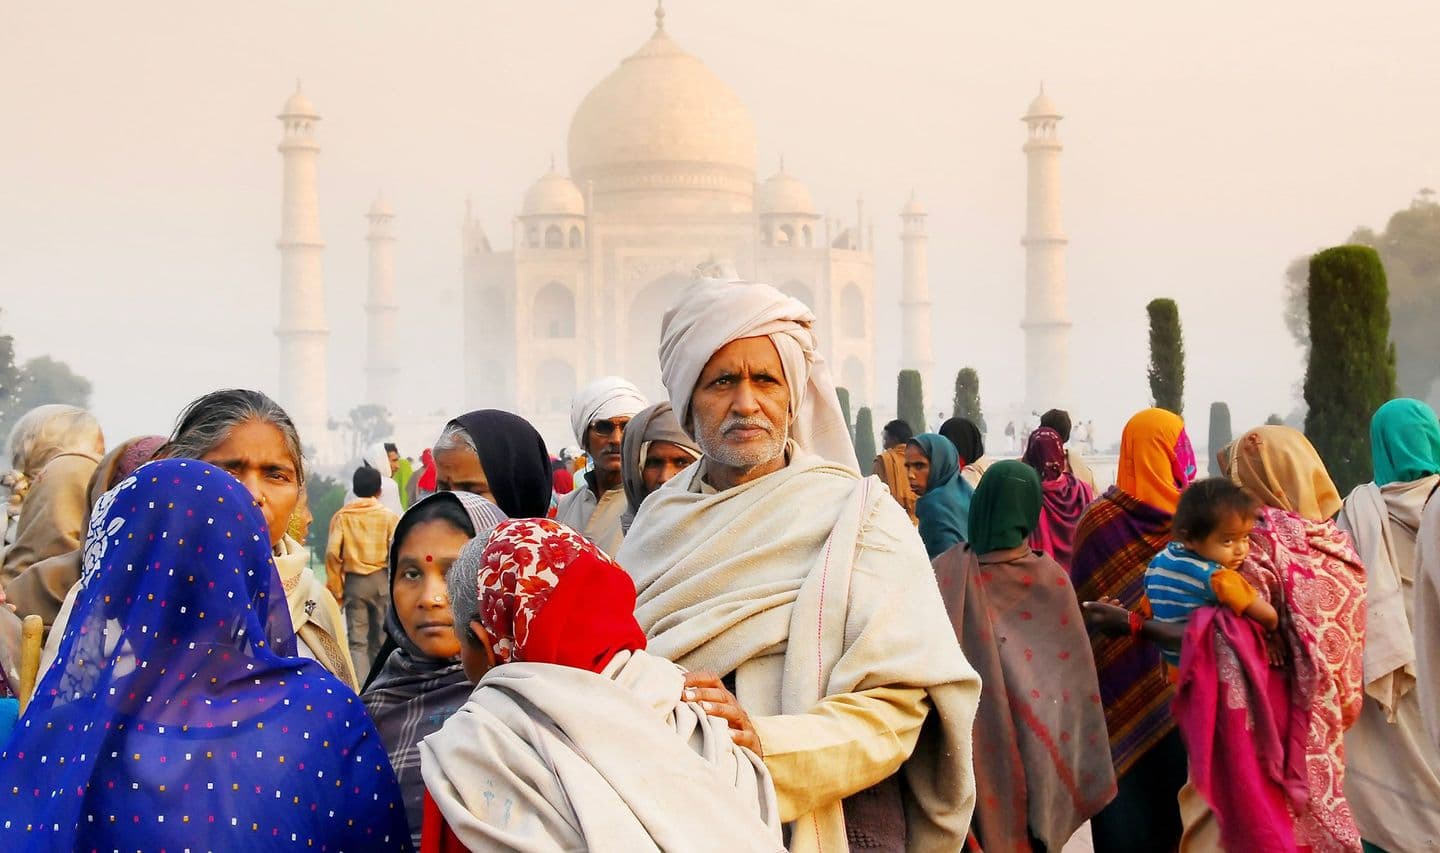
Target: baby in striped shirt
[1198,568]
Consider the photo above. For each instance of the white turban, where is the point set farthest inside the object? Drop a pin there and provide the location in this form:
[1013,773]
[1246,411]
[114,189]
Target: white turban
[712,313]
[605,398]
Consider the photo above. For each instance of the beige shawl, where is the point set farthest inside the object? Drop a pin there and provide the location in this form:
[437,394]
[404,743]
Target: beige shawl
[318,622]
[1427,620]
[786,565]
[545,757]
[53,517]
[598,518]
[1392,773]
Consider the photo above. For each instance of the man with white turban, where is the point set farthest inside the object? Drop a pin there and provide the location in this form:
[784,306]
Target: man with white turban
[798,593]
[598,415]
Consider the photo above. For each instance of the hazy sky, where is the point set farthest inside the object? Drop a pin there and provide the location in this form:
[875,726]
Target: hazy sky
[1204,148]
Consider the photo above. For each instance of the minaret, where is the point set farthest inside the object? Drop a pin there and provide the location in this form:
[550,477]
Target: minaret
[916,351]
[382,363]
[1047,321]
[302,332]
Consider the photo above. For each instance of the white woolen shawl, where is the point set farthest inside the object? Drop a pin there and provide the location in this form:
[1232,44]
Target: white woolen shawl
[711,313]
[546,757]
[776,566]
[1427,619]
[605,398]
[1370,515]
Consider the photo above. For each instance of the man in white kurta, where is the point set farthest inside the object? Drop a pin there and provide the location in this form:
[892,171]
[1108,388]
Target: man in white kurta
[772,564]
[598,414]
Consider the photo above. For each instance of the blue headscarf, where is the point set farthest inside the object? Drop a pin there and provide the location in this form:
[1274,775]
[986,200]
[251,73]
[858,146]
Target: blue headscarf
[176,714]
[944,510]
[1404,442]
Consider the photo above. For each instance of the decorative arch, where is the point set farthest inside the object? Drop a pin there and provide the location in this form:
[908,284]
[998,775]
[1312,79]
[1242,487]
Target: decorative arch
[576,241]
[852,311]
[809,237]
[786,236]
[801,291]
[554,386]
[642,334]
[554,237]
[532,237]
[553,313]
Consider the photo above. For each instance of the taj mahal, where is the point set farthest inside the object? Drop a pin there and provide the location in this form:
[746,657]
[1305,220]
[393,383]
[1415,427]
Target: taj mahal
[662,182]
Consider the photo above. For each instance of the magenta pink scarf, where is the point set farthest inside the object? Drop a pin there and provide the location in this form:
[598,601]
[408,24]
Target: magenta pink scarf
[1244,730]
[1063,501]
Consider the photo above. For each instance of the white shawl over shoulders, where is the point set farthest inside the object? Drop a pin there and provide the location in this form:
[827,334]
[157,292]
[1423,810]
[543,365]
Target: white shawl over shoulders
[547,758]
[823,567]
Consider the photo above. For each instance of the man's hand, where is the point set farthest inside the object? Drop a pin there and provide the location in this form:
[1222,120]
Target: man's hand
[1108,616]
[707,689]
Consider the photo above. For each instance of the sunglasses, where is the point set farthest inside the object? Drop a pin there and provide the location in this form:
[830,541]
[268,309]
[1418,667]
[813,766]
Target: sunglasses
[605,429]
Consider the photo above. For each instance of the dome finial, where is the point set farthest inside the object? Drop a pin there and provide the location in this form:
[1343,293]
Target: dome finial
[660,15]
[782,164]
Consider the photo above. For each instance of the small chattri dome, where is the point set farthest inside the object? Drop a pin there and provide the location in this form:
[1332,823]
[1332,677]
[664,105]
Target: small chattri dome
[299,105]
[381,207]
[554,195]
[1042,107]
[784,194]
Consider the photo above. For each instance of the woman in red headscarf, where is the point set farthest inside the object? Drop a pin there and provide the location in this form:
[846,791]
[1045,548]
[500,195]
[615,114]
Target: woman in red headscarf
[1064,496]
[576,738]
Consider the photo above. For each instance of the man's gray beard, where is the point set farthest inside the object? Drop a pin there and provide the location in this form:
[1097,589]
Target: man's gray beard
[715,448]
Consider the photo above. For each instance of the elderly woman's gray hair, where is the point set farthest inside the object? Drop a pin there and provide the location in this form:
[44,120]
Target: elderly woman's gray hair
[462,580]
[45,432]
[206,423]
[453,437]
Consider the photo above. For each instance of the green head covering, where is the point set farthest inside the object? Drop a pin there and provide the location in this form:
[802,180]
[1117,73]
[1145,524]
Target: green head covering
[943,510]
[1006,507]
[944,459]
[1404,442]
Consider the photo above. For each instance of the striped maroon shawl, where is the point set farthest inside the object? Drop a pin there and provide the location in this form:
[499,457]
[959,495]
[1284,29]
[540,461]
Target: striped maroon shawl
[1116,538]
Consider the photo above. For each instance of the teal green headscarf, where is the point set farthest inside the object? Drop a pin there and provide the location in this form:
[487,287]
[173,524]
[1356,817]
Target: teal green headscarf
[944,510]
[1404,442]
[1006,508]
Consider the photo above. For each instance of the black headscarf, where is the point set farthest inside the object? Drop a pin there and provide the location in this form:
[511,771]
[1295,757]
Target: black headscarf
[966,437]
[515,461]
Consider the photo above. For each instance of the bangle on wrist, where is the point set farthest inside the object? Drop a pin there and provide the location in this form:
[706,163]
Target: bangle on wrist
[1137,622]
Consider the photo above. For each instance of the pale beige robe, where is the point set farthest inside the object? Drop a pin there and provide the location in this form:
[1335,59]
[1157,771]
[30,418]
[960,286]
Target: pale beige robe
[597,518]
[813,588]
[1392,773]
[548,758]
[1427,620]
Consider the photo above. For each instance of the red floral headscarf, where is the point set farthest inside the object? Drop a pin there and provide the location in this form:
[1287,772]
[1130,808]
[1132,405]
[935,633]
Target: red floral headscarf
[548,595]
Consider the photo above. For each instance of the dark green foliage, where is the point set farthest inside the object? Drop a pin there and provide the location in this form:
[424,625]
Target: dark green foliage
[844,395]
[1352,361]
[1167,356]
[865,438]
[10,380]
[325,495]
[967,398]
[1220,434]
[1274,420]
[910,401]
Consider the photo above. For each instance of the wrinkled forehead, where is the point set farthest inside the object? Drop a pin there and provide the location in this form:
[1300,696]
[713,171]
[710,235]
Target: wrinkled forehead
[745,356]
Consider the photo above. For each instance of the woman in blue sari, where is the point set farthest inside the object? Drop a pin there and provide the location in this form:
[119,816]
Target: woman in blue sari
[176,714]
[943,508]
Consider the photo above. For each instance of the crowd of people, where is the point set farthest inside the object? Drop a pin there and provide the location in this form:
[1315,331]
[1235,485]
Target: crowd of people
[720,635]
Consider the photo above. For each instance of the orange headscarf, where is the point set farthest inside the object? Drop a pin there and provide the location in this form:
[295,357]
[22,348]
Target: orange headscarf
[1280,467]
[1156,459]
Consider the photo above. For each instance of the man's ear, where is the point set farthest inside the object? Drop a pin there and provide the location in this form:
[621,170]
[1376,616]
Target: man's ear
[483,637]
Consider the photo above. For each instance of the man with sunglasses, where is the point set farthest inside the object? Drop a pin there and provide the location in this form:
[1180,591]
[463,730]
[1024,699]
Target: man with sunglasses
[598,414]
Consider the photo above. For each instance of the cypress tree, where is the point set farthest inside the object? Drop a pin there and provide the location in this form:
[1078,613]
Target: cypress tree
[864,438]
[1352,360]
[910,401]
[1167,356]
[967,398]
[844,395]
[1220,434]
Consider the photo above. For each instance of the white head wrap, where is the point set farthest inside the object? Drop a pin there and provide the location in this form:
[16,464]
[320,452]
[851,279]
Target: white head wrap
[712,313]
[605,398]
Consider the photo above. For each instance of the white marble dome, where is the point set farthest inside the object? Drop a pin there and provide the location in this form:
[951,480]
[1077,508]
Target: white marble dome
[783,193]
[1042,107]
[553,195]
[299,105]
[662,123]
